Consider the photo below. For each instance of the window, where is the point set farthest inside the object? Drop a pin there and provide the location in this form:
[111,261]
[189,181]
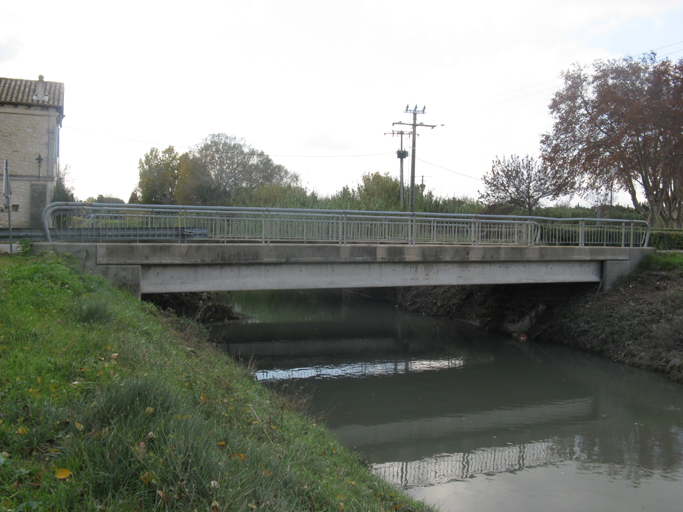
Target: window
[15,207]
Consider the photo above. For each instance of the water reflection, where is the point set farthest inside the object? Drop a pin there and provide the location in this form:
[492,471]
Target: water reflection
[444,410]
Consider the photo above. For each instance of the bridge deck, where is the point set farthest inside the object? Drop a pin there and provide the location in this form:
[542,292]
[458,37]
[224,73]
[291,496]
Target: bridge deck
[169,268]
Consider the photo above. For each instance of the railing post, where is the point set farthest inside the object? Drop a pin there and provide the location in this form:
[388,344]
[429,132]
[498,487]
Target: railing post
[531,233]
[268,226]
[631,233]
[582,233]
[343,232]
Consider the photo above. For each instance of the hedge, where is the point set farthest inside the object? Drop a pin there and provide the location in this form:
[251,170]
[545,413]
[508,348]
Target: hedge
[666,239]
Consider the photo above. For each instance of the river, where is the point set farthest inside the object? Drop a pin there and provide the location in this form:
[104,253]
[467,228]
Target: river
[464,419]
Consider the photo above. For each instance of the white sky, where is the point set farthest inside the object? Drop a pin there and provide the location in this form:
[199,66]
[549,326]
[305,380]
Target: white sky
[315,83]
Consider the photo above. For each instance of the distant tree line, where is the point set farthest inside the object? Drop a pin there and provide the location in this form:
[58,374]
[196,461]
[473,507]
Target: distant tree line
[226,171]
[617,126]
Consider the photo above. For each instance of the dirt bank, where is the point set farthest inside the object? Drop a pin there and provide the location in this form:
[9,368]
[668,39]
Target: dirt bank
[199,307]
[638,322]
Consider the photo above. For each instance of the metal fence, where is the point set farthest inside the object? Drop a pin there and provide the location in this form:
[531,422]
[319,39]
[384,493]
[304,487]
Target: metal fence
[95,222]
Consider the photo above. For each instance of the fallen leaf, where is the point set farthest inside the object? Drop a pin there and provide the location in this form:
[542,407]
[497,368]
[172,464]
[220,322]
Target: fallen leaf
[221,443]
[147,478]
[149,410]
[61,474]
[214,507]
[22,430]
[79,426]
[164,498]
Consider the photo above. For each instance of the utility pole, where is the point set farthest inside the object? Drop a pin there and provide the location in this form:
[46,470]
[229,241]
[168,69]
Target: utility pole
[414,124]
[401,154]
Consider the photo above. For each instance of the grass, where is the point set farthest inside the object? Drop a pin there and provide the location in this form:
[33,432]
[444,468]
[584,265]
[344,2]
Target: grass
[662,261]
[106,404]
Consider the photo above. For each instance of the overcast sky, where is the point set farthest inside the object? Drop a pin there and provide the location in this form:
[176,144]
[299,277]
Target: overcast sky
[316,84]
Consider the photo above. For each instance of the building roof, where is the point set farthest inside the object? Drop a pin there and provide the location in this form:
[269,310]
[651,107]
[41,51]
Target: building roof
[15,91]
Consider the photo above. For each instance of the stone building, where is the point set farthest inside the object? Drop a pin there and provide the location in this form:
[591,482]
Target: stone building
[31,113]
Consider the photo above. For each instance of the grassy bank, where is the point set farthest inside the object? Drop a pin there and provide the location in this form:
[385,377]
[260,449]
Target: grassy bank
[106,404]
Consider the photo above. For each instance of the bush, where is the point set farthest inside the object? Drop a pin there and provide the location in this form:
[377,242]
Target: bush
[666,239]
[27,248]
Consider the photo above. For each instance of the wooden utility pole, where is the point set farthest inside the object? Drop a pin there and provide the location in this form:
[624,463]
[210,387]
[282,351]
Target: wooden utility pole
[401,154]
[414,124]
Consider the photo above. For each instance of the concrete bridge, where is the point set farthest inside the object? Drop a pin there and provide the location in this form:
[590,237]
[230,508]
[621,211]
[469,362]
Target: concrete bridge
[192,267]
[166,249]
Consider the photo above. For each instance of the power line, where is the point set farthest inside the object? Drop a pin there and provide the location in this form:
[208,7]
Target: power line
[557,79]
[667,46]
[449,170]
[155,144]
[523,96]
[524,88]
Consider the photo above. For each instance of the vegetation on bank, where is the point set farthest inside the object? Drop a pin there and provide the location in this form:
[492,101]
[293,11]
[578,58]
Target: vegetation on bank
[662,261]
[107,404]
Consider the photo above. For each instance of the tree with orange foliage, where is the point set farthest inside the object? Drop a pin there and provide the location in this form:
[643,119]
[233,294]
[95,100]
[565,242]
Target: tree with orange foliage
[620,124]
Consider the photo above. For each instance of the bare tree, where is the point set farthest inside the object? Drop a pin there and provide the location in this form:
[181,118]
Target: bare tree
[523,183]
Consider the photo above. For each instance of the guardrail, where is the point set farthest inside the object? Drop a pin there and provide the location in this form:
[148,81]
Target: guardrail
[96,222]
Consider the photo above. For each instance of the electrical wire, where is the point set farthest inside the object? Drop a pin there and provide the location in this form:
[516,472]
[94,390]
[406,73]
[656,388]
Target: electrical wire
[448,170]
[259,153]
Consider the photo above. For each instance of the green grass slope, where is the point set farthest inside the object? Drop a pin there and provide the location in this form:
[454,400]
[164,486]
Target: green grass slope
[106,404]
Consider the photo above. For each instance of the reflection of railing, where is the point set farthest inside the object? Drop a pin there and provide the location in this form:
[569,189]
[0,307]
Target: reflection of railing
[95,222]
[441,469]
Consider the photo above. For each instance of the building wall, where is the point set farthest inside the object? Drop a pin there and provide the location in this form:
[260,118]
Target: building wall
[25,133]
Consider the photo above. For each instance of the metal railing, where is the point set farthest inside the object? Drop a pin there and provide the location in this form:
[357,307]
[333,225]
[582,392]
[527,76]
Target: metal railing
[96,222]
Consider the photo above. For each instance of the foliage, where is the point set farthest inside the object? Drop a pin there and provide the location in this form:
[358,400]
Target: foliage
[62,192]
[133,411]
[619,126]
[105,199]
[667,239]
[134,198]
[221,167]
[376,192]
[523,183]
[158,176]
[27,248]
[275,195]
[660,261]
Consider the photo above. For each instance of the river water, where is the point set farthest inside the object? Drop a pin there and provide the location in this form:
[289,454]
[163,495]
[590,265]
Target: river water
[464,419]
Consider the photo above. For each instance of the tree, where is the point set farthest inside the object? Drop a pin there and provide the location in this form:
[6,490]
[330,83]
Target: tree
[523,183]
[620,124]
[195,185]
[133,199]
[62,192]
[218,169]
[158,176]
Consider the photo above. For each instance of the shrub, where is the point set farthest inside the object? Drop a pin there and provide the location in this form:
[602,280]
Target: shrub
[666,239]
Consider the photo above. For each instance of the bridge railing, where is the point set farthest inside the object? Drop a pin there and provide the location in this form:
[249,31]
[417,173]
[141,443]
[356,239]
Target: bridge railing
[97,222]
